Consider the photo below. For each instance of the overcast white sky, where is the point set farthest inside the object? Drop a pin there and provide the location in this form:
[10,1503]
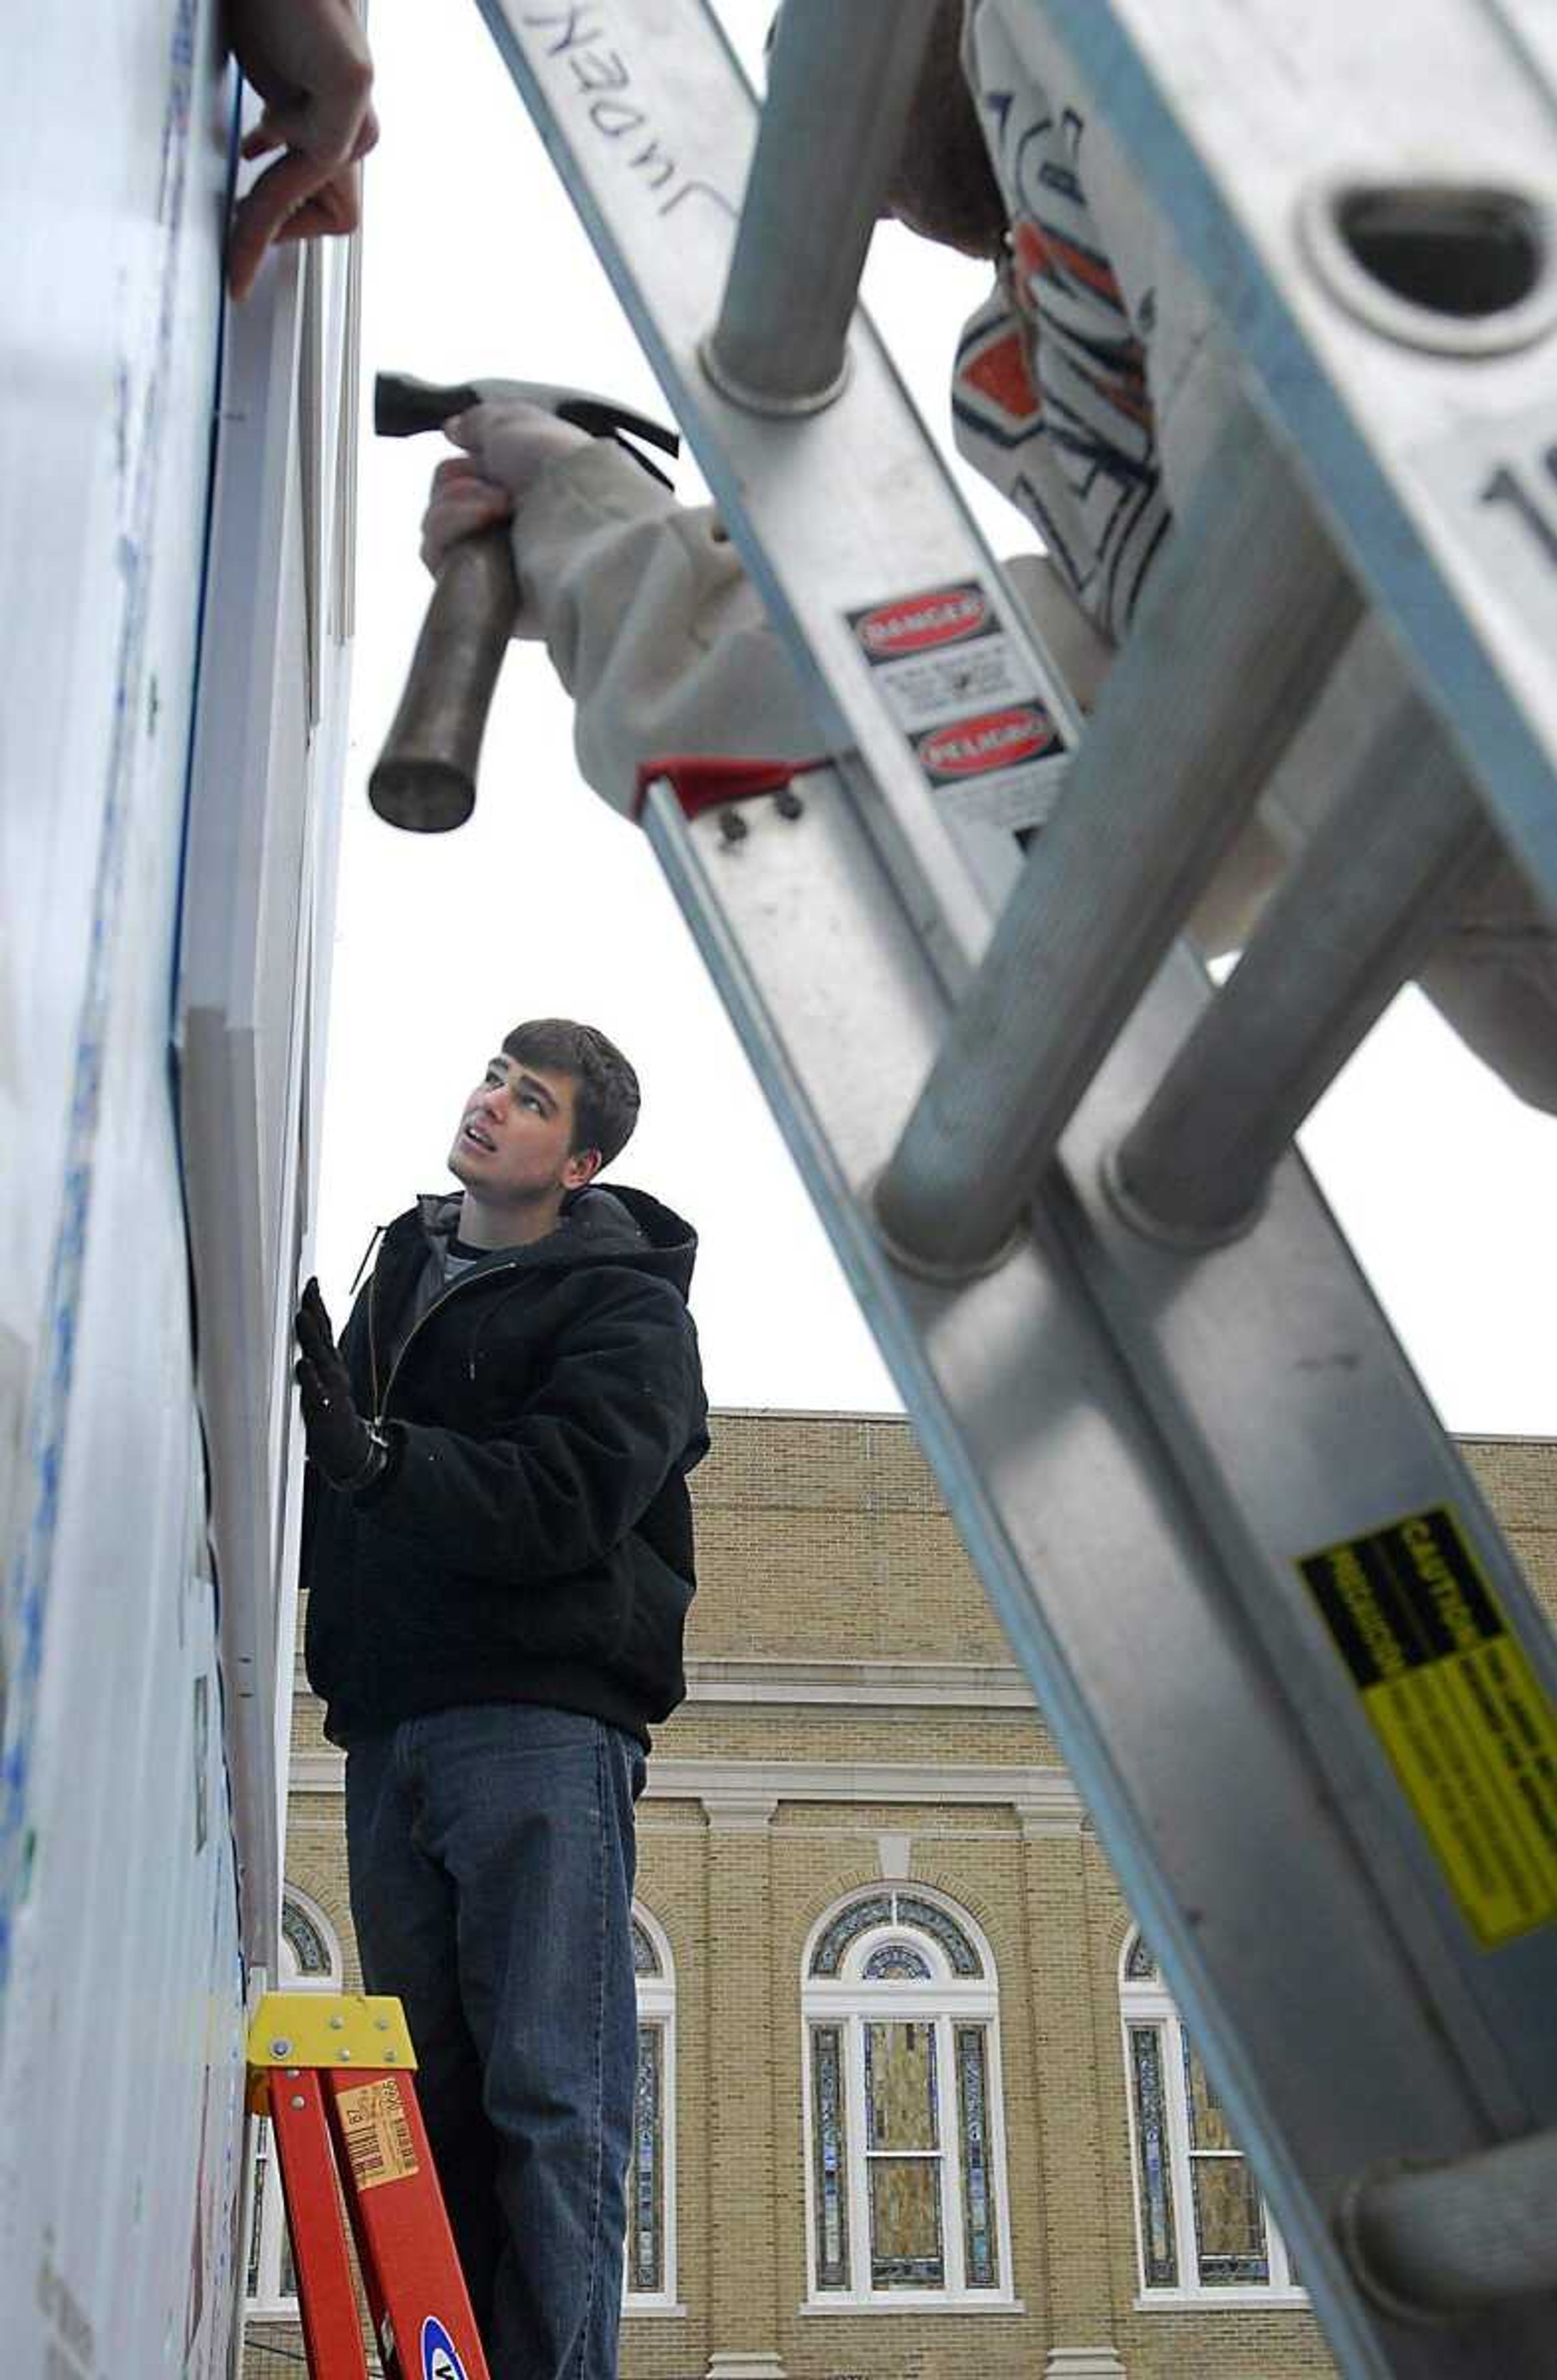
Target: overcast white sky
[548,903]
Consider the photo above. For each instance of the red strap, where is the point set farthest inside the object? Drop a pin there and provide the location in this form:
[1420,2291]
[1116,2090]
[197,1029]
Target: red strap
[704,781]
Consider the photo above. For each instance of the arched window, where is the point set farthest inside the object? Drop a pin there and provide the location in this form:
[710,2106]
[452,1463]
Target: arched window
[1204,2229]
[310,1959]
[905,2152]
[651,2260]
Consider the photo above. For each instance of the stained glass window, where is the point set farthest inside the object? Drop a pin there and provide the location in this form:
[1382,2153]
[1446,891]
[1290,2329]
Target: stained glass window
[646,2209]
[1203,2226]
[907,2192]
[895,1963]
[828,2146]
[1140,1967]
[935,1921]
[1151,2149]
[304,1939]
[903,2138]
[980,2245]
[856,1920]
[650,2246]
[1229,2223]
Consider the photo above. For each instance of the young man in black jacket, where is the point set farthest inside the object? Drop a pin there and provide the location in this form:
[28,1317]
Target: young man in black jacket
[498,1552]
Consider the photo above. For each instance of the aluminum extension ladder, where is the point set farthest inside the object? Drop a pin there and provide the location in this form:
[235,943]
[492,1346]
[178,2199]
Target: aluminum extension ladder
[1300,1683]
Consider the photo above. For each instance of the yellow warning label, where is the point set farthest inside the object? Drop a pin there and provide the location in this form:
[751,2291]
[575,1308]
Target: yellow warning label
[1471,1734]
[377,2138]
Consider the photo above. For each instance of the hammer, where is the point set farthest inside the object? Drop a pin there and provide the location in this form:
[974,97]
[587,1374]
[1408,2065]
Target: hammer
[425,779]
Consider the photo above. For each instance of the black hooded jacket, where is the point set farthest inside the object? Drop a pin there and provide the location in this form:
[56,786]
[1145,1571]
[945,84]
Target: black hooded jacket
[530,1539]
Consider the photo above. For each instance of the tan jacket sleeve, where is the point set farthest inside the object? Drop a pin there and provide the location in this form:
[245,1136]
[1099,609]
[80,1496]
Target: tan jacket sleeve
[651,624]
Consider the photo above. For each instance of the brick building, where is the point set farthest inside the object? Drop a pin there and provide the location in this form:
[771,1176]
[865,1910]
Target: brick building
[913,2098]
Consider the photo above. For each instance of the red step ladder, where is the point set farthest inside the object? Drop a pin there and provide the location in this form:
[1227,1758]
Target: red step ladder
[334,2071]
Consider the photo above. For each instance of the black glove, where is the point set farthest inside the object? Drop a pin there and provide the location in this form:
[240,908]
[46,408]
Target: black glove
[340,1443]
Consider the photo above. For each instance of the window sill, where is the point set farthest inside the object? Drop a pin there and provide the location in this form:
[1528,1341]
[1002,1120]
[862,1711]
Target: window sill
[1207,2301]
[651,2310]
[932,2302]
[272,2309]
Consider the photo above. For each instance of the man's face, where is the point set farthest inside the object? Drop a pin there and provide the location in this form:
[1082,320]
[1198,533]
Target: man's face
[515,1142]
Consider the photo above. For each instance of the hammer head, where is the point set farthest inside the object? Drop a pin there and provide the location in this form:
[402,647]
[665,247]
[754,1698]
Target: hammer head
[403,406]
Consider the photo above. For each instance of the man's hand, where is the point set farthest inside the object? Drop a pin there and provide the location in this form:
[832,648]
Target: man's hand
[340,1443]
[507,446]
[308,61]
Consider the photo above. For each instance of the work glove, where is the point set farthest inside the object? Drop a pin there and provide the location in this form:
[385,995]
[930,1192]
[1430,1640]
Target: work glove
[507,446]
[340,1443]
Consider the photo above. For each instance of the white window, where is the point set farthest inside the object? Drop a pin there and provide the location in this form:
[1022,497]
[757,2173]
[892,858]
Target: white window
[310,1960]
[649,2277]
[1204,2230]
[905,2152]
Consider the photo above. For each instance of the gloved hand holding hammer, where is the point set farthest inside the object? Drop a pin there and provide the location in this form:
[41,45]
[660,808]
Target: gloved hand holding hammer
[425,779]
[507,446]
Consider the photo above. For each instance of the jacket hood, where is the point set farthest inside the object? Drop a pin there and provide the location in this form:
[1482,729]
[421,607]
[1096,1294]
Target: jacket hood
[614,1225]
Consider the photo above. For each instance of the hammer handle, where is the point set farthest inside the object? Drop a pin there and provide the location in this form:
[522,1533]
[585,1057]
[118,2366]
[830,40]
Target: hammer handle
[425,779]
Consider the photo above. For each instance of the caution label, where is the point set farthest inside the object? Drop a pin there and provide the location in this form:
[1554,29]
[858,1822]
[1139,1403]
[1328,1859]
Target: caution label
[378,2139]
[1469,1732]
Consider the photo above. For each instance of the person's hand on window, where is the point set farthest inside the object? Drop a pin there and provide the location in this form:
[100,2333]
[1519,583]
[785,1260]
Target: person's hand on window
[340,1443]
[310,62]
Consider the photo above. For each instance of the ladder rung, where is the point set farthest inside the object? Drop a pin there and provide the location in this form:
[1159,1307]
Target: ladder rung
[1447,2238]
[840,82]
[1348,926]
[1248,611]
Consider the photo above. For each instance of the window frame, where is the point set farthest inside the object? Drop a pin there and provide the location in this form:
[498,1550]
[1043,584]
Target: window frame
[269,2302]
[946,2001]
[1146,2004]
[656,2008]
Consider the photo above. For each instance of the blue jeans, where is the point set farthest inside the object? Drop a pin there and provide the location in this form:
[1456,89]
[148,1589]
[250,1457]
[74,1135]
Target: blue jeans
[491,1854]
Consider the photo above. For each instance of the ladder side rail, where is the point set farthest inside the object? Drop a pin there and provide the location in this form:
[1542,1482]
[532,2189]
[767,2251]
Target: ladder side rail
[1286,142]
[327,2299]
[416,2290]
[801,498]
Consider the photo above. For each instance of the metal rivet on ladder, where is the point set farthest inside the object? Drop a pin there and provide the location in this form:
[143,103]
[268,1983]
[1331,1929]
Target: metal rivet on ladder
[337,2024]
[343,2052]
[297,2099]
[282,2048]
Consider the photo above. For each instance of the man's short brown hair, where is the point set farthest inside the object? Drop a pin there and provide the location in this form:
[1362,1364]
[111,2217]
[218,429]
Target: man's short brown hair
[606,1097]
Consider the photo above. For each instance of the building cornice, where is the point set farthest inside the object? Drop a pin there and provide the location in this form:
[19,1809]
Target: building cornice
[851,1686]
[1044,1799]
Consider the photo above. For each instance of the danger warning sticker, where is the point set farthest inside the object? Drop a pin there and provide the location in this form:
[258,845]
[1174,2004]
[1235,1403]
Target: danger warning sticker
[962,691]
[1469,1732]
[995,739]
[378,2139]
